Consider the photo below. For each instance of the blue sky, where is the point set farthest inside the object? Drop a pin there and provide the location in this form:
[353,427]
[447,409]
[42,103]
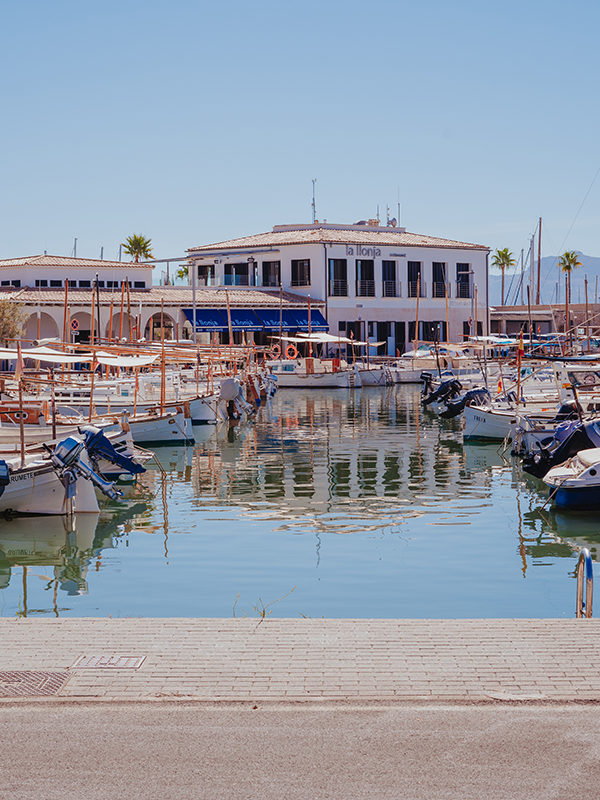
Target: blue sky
[192,122]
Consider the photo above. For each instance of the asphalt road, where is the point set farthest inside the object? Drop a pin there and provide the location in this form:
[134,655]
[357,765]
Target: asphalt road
[181,751]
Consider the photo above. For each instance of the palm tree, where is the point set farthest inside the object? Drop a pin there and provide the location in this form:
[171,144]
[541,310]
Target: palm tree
[568,262]
[138,247]
[503,259]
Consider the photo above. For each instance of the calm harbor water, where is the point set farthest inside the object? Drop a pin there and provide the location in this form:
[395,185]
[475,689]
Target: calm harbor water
[336,504]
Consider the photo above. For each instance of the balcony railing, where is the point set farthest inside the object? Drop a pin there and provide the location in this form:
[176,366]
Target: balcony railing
[365,288]
[300,281]
[390,289]
[439,289]
[414,286]
[273,281]
[463,290]
[338,288]
[236,280]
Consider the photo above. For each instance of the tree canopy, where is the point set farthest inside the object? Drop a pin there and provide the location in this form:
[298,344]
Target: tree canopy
[503,259]
[138,246]
[11,320]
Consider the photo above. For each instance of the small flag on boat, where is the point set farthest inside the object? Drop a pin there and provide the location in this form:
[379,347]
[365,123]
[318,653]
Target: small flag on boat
[500,385]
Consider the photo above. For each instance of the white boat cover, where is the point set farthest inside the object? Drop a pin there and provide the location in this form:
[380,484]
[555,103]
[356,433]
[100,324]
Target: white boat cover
[111,360]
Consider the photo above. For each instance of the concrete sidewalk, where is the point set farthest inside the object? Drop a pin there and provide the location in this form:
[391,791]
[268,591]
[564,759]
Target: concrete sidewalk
[284,660]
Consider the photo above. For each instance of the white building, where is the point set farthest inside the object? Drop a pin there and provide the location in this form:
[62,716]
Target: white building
[39,285]
[372,281]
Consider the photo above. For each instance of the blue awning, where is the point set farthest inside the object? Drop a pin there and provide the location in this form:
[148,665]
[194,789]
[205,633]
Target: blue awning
[270,318]
[297,319]
[244,319]
[207,319]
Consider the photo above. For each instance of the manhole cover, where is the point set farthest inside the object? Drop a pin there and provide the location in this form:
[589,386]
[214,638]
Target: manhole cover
[24,683]
[109,662]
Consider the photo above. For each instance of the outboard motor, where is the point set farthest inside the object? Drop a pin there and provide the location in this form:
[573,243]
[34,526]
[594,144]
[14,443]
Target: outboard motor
[230,393]
[568,440]
[474,397]
[67,459]
[4,476]
[99,446]
[427,379]
[447,390]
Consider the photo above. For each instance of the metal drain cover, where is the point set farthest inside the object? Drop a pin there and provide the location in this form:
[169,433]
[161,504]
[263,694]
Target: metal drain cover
[109,662]
[24,683]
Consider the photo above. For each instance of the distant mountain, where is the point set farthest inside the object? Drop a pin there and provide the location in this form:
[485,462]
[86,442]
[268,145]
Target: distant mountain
[550,275]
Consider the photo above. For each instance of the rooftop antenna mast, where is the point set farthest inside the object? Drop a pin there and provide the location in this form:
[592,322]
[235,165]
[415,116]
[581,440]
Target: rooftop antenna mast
[314,204]
[75,247]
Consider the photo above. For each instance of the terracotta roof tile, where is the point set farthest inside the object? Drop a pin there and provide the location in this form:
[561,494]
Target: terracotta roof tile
[68,261]
[342,235]
[173,296]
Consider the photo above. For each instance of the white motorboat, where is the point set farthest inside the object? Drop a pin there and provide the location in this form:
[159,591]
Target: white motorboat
[314,373]
[575,484]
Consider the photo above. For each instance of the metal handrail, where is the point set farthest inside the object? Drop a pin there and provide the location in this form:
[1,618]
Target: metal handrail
[585,562]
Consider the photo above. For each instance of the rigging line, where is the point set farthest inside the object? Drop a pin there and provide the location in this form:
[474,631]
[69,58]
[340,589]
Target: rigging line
[585,197]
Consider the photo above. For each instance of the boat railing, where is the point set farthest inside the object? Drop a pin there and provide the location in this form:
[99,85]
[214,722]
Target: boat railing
[584,569]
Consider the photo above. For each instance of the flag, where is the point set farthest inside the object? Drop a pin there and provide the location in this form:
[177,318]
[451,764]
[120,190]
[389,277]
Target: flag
[499,385]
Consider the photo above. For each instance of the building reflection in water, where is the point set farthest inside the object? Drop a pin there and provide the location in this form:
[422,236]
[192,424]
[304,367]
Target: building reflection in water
[316,463]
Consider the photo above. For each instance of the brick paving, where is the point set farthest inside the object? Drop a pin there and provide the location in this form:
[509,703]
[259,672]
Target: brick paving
[309,659]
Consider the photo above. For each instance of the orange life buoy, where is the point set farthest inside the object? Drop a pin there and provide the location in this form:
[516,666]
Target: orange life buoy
[275,351]
[291,352]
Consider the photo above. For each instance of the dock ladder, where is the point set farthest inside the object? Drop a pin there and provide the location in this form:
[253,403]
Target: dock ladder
[584,609]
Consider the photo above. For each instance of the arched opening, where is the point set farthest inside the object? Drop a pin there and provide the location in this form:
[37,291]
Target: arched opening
[47,328]
[121,330]
[80,327]
[153,331]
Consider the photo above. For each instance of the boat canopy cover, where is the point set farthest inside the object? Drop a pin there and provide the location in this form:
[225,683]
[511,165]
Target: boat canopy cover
[111,360]
[51,356]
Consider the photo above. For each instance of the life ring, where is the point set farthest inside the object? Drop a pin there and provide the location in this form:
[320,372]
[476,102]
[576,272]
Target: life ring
[275,351]
[291,352]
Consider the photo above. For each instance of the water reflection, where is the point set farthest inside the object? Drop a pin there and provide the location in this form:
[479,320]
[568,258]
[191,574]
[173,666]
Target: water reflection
[400,485]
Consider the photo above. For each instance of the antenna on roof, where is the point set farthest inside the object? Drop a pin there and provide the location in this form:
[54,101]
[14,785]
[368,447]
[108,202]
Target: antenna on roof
[75,247]
[120,248]
[101,254]
[313,204]
[378,220]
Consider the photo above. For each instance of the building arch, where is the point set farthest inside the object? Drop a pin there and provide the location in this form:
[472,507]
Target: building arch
[123,327]
[153,332]
[48,327]
[81,334]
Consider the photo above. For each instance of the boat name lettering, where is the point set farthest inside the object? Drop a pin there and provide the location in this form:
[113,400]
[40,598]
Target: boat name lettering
[18,477]
[359,250]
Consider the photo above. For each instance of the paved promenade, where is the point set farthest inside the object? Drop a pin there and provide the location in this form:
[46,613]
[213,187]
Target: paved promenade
[299,660]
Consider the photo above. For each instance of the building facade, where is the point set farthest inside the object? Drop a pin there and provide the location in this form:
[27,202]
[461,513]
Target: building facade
[373,282]
[56,298]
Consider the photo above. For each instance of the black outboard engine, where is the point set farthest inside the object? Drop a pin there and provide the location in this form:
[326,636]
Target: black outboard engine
[4,476]
[569,438]
[474,397]
[427,379]
[447,390]
[567,411]
[69,465]
[99,446]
